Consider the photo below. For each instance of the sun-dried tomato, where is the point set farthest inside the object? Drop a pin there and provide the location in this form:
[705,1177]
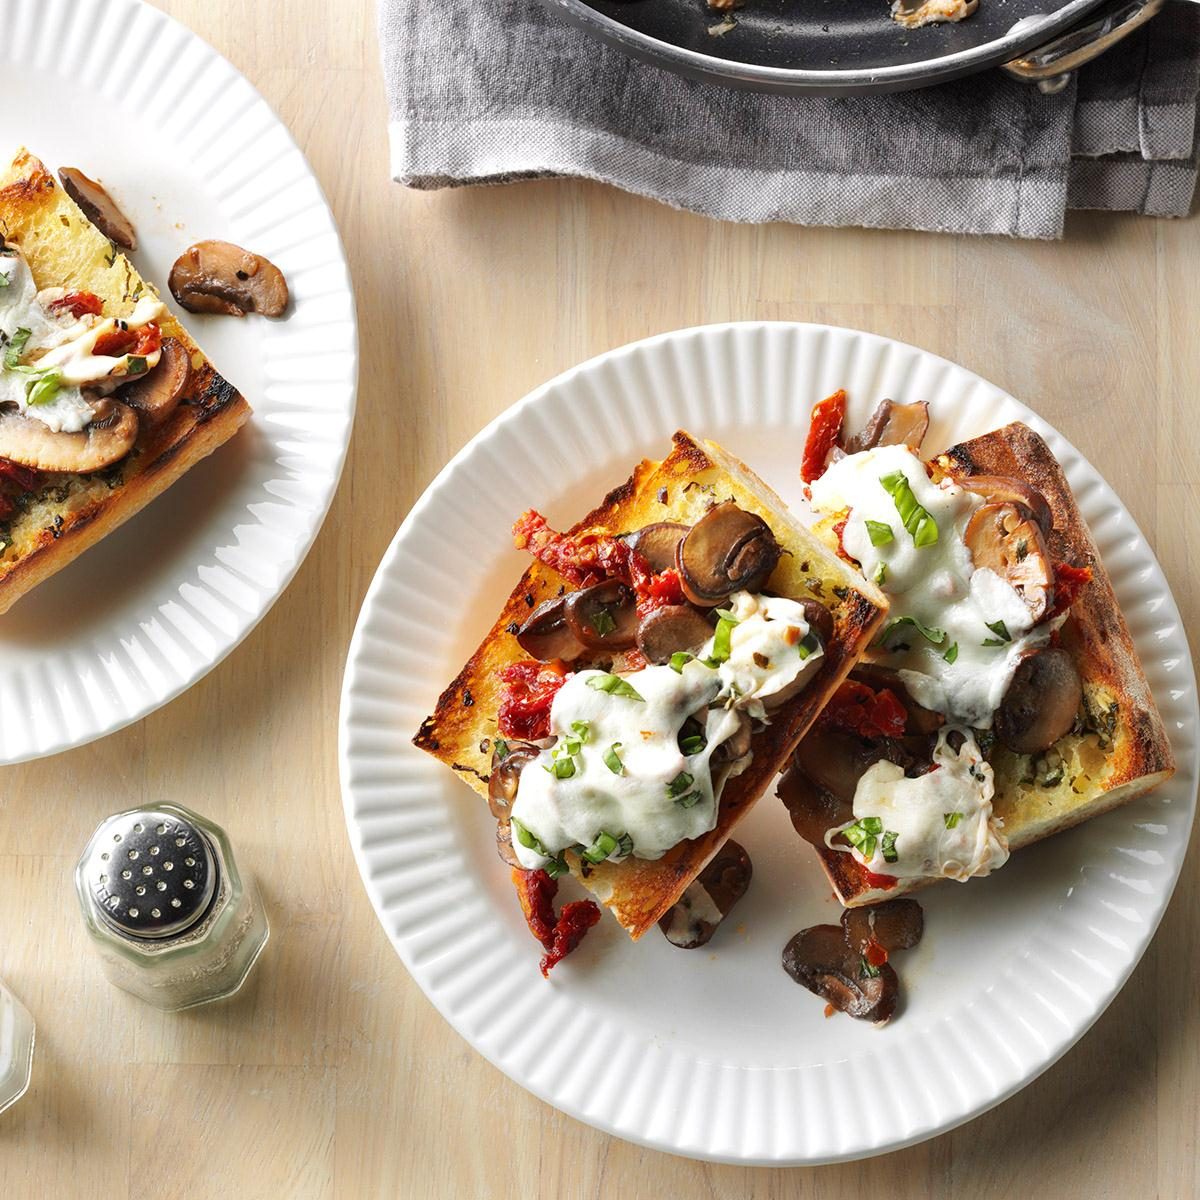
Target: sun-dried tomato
[22,477]
[1069,582]
[879,881]
[77,304]
[558,935]
[573,923]
[583,559]
[140,342]
[839,531]
[860,709]
[529,691]
[823,433]
[657,591]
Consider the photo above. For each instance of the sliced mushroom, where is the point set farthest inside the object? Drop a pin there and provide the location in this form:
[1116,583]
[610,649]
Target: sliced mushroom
[813,810]
[99,207]
[670,629]
[726,551]
[836,761]
[1008,540]
[603,616]
[999,489]
[1041,703]
[736,746]
[546,634]
[108,438]
[156,394]
[893,424]
[819,618]
[892,925]
[219,277]
[694,917]
[657,543]
[506,777]
[820,960]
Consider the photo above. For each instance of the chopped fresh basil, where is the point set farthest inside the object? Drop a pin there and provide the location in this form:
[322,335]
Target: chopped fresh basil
[614,685]
[562,768]
[690,800]
[879,533]
[952,819]
[43,388]
[600,849]
[501,749]
[928,632]
[528,838]
[555,867]
[864,836]
[952,654]
[4,280]
[726,615]
[721,639]
[612,759]
[624,846]
[679,660]
[16,347]
[137,366]
[679,784]
[916,519]
[890,853]
[1001,631]
[881,574]
[693,744]
[868,971]
[581,729]
[808,645]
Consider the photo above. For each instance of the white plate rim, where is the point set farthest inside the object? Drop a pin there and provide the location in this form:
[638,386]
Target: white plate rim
[103,14]
[1186,768]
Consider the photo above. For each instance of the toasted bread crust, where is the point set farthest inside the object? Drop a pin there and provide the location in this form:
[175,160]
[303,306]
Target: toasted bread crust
[682,487]
[64,249]
[1104,776]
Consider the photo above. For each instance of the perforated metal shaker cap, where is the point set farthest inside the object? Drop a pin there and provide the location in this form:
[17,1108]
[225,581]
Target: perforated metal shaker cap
[151,874]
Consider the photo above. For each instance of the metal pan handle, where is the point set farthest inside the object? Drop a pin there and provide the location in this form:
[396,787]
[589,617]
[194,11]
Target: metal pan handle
[1050,66]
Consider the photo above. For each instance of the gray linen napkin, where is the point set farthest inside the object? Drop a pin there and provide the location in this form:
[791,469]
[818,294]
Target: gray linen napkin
[500,91]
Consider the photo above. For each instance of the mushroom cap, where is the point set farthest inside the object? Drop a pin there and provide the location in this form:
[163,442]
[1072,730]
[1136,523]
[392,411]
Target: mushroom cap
[814,810]
[108,438]
[603,616]
[657,543]
[1006,538]
[1041,703]
[547,635]
[156,394]
[505,777]
[99,207]
[726,551]
[820,960]
[219,277]
[893,424]
[894,925]
[1000,489]
[670,629]
[726,879]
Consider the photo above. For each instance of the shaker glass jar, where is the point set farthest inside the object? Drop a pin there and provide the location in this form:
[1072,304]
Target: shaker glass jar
[16,1048]
[173,920]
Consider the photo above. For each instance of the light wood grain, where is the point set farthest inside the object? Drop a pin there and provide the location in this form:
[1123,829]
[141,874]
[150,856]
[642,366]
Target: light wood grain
[330,1075]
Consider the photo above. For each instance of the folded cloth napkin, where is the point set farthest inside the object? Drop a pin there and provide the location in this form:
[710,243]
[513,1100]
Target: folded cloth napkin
[505,90]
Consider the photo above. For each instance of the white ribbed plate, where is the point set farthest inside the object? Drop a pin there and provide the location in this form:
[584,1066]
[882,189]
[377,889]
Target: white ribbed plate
[191,151]
[716,1053]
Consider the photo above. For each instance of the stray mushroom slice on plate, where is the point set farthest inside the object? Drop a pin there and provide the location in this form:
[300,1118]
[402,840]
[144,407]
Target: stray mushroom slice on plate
[219,277]
[109,437]
[156,394]
[99,207]
[821,959]
[726,551]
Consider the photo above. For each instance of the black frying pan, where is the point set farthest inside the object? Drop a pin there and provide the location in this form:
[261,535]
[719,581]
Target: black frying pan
[823,46]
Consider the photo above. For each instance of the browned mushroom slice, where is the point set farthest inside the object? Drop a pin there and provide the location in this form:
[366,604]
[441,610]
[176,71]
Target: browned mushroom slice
[813,810]
[657,543]
[820,960]
[819,618]
[999,489]
[1041,703]
[603,616]
[219,277]
[156,394]
[670,629]
[893,424]
[546,635]
[99,207]
[694,917]
[726,551]
[892,925]
[106,440]
[1006,539]
[503,783]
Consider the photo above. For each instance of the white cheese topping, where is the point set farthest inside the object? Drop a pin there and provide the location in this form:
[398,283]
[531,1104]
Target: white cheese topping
[935,584]
[939,824]
[62,345]
[661,794]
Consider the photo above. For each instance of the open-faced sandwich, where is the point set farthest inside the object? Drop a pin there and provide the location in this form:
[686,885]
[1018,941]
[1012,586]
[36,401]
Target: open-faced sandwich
[1002,702]
[105,400]
[648,677]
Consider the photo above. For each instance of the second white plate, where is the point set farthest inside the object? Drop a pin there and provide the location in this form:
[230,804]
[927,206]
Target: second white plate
[191,151]
[716,1053]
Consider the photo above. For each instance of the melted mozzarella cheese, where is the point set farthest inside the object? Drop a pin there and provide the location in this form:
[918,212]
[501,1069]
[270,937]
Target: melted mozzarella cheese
[942,821]
[61,344]
[936,585]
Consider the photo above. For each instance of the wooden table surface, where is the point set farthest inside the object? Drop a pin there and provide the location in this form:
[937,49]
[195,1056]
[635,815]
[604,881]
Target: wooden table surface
[330,1074]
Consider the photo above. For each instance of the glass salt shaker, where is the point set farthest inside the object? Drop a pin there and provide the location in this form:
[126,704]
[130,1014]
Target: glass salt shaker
[173,920]
[16,1048]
